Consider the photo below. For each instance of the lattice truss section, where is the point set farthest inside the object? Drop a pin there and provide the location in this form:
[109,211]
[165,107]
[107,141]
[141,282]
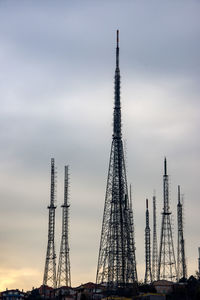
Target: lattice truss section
[155,244]
[64,273]
[148,274]
[50,263]
[181,261]
[167,264]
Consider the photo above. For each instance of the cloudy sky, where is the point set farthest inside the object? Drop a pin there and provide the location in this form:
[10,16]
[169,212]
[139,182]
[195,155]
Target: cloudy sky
[57,62]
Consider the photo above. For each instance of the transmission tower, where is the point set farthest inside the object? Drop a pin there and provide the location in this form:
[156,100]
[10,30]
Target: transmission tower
[63,274]
[181,263]
[50,264]
[148,275]
[132,233]
[166,263]
[116,262]
[155,244]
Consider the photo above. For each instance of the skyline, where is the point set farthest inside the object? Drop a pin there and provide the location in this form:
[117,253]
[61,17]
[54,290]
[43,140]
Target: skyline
[56,101]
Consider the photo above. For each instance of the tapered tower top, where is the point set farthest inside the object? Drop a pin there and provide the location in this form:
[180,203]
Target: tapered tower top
[179,195]
[146,203]
[117,38]
[117,50]
[117,106]
[165,167]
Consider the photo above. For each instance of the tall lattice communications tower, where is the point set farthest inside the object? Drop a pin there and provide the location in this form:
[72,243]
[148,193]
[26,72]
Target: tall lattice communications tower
[64,274]
[155,244]
[181,262]
[50,264]
[148,274]
[166,264]
[116,262]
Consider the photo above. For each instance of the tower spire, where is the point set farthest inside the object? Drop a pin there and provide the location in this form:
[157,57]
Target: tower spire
[116,263]
[165,167]
[117,106]
[117,50]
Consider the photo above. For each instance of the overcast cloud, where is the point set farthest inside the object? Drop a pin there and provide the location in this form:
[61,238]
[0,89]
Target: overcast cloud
[56,98]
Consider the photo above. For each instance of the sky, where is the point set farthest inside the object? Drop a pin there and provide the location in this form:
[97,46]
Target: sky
[57,63]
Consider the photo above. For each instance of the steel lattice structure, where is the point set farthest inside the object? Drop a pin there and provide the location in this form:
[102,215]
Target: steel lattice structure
[148,274]
[50,264]
[64,274]
[116,261]
[166,264]
[181,262]
[155,244]
[132,233]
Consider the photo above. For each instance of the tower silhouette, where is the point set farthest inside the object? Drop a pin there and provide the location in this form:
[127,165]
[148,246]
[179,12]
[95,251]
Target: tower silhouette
[166,264]
[64,274]
[155,244]
[116,262]
[50,263]
[181,262]
[148,275]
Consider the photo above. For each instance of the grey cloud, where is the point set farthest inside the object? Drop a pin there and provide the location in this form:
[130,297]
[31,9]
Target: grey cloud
[56,95]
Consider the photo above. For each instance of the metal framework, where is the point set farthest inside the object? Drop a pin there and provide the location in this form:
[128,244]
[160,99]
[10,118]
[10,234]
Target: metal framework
[116,262]
[167,264]
[132,233]
[50,264]
[155,244]
[148,274]
[181,262]
[64,274]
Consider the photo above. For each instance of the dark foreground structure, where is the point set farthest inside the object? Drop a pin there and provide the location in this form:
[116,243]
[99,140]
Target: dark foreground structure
[117,263]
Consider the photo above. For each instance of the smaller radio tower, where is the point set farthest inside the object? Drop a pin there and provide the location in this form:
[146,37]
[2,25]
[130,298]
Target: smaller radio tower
[181,264]
[155,244]
[63,275]
[166,264]
[50,264]
[132,232]
[148,275]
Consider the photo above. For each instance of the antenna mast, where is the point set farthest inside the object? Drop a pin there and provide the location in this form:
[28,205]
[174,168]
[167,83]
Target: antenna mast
[64,274]
[166,264]
[155,244]
[181,263]
[148,275]
[50,264]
